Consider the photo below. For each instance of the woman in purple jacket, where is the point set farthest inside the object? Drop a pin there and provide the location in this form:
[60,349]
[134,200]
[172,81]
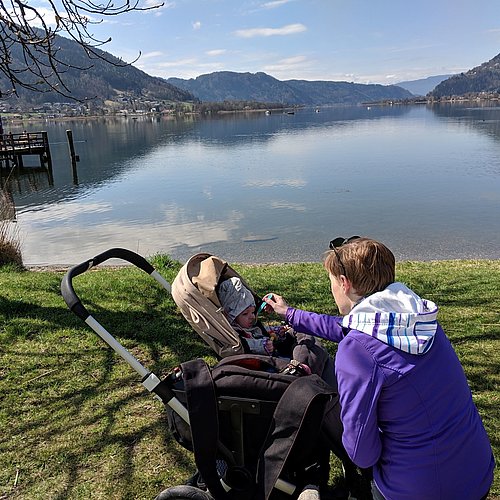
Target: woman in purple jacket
[407,409]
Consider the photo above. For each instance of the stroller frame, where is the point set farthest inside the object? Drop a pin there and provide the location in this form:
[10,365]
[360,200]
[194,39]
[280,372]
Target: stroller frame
[164,390]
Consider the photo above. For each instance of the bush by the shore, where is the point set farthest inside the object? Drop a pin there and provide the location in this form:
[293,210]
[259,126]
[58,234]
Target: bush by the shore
[10,243]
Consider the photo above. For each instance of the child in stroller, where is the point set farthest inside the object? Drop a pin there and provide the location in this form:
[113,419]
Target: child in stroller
[240,308]
[201,288]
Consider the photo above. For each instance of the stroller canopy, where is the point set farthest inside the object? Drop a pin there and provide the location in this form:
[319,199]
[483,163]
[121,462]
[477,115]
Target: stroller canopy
[194,290]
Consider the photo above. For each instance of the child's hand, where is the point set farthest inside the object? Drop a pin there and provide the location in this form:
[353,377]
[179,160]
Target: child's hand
[272,334]
[268,346]
[277,332]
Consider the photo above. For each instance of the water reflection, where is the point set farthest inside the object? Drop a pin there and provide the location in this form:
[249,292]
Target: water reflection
[24,181]
[110,146]
[269,188]
[485,118]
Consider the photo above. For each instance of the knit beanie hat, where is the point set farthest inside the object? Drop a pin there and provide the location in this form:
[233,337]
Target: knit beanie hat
[235,297]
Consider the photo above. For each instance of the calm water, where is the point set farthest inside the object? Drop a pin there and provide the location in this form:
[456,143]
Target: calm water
[276,188]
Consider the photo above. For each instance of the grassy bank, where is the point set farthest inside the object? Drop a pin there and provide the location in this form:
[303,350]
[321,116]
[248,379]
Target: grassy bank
[76,422]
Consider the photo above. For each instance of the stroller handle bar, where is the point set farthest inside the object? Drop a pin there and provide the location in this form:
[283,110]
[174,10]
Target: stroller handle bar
[149,380]
[68,292]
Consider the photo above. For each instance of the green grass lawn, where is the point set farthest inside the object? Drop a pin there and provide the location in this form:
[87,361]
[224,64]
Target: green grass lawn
[76,422]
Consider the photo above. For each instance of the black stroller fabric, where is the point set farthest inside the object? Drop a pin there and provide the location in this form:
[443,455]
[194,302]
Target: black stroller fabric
[283,426]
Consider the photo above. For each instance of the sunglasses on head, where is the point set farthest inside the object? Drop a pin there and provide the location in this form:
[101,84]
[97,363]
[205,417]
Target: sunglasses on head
[337,243]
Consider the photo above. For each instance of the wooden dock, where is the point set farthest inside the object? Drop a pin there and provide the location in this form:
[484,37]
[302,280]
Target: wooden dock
[13,148]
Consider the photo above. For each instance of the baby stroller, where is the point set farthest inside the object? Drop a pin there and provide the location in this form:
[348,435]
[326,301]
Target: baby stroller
[257,430]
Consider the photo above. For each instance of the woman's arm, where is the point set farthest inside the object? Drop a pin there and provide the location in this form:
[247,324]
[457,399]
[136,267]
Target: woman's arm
[320,325]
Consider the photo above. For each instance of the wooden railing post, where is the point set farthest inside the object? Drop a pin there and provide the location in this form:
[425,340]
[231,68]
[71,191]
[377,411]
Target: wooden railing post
[73,155]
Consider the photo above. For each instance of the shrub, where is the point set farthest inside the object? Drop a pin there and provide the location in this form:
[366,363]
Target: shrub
[164,261]
[10,243]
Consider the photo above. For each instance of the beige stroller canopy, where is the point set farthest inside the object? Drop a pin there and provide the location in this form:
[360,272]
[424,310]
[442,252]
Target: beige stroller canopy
[194,290]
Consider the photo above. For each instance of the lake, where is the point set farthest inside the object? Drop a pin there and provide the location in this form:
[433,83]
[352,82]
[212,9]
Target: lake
[267,188]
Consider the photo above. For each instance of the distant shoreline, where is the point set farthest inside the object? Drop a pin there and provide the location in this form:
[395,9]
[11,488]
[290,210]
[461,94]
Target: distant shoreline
[16,120]
[415,102]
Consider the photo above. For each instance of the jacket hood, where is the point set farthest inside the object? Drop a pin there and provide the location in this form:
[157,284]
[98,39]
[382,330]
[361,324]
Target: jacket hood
[396,316]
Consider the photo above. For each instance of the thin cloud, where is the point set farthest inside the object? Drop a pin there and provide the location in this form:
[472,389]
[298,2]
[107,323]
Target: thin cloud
[47,15]
[289,29]
[274,4]
[197,25]
[408,48]
[159,4]
[215,52]
[300,67]
[149,55]
[157,7]
[286,64]
[182,68]
[180,62]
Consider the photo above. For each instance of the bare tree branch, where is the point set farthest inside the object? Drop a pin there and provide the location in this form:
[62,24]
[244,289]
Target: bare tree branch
[27,35]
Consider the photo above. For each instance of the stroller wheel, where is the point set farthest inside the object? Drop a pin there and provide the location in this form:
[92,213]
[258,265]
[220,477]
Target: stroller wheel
[184,493]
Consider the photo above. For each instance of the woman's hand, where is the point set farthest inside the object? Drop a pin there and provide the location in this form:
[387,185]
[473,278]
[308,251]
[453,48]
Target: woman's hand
[277,303]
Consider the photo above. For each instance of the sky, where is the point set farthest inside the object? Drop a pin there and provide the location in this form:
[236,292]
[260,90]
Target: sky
[361,41]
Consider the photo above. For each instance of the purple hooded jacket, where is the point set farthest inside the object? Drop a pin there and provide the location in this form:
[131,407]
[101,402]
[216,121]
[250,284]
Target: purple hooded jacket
[407,409]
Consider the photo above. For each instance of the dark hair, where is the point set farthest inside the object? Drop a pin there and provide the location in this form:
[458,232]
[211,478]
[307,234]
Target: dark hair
[368,264]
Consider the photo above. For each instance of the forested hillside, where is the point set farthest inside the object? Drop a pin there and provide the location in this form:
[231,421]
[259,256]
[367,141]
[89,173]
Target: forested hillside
[483,78]
[98,78]
[260,87]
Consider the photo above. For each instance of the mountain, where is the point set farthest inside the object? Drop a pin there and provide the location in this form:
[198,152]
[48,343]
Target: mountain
[99,78]
[423,86]
[230,86]
[260,87]
[483,78]
[327,92]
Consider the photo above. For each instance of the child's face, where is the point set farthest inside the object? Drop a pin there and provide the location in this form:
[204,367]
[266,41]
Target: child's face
[246,319]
